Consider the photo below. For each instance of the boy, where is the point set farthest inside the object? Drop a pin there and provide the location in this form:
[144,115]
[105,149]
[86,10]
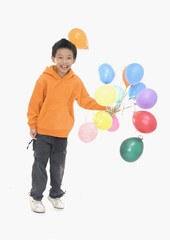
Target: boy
[51,118]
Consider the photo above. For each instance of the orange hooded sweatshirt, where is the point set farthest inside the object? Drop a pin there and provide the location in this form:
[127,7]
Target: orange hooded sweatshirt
[50,109]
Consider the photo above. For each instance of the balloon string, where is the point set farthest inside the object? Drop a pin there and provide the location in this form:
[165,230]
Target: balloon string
[117,109]
[87,115]
[123,96]
[134,105]
[85,118]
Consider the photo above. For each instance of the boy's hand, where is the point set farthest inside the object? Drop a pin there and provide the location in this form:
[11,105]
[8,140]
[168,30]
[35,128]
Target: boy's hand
[113,110]
[33,133]
[109,109]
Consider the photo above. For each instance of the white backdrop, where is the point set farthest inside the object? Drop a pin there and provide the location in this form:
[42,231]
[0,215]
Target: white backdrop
[107,198]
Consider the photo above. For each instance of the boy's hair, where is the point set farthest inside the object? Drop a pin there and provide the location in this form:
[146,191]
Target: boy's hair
[64,43]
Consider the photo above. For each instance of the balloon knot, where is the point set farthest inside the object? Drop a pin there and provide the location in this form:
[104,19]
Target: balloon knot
[140,137]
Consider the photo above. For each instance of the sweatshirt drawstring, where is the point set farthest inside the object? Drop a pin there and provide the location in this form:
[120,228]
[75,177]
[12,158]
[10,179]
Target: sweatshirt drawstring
[30,143]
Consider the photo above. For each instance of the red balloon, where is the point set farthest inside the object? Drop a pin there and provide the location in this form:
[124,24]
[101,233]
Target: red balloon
[144,121]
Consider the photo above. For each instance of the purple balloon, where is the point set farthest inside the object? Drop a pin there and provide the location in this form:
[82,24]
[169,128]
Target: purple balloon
[146,98]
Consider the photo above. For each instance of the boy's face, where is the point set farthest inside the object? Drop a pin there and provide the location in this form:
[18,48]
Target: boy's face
[63,60]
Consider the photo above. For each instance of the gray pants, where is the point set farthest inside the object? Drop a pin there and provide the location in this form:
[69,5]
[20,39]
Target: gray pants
[53,148]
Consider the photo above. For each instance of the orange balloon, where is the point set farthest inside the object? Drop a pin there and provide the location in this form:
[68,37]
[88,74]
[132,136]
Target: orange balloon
[78,37]
[124,79]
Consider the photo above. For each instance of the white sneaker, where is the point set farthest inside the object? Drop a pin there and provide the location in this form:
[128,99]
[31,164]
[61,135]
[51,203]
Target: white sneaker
[37,206]
[56,202]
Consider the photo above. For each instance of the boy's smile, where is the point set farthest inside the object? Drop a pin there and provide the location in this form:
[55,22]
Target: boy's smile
[64,67]
[63,60]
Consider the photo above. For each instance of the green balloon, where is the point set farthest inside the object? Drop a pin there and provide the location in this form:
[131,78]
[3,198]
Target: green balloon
[120,93]
[131,149]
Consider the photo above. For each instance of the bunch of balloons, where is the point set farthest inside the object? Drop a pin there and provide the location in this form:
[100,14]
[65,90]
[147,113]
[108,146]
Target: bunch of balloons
[107,95]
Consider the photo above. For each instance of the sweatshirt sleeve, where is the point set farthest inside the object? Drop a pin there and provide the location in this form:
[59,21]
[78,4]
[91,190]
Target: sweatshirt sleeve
[85,101]
[35,105]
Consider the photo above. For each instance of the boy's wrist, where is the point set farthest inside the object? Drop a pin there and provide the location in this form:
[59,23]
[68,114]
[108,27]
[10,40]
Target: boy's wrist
[32,127]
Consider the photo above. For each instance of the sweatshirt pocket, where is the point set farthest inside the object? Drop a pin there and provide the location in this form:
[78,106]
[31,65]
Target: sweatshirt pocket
[55,120]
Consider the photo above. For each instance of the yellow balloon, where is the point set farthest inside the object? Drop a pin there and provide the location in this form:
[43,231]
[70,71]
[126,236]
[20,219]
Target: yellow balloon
[105,95]
[103,120]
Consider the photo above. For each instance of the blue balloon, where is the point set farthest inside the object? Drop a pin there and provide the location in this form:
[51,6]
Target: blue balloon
[135,89]
[106,73]
[134,73]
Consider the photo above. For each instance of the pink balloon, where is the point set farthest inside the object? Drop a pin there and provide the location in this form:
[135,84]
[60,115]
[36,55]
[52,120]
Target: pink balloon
[88,132]
[115,124]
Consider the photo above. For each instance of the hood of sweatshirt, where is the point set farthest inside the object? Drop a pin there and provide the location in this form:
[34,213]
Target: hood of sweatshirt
[52,72]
